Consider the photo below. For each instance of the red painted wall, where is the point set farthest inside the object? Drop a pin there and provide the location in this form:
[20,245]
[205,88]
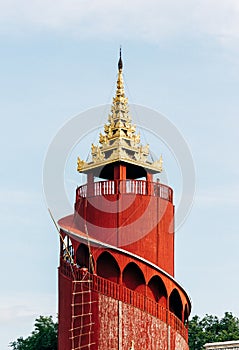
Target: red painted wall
[64,311]
[106,314]
[120,323]
[114,324]
[138,223]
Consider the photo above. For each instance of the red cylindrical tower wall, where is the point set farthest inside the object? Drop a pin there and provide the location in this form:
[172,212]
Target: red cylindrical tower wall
[131,286]
[140,223]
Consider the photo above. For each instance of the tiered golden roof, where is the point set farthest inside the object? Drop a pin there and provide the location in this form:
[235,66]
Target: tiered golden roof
[119,143]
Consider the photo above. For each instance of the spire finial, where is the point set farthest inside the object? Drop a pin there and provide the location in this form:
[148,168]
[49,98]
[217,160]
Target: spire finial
[120,63]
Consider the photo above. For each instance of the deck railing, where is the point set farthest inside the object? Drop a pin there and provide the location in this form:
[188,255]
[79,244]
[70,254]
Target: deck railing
[126,295]
[138,187]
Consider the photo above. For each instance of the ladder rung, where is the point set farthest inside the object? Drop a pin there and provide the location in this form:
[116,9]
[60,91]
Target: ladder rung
[82,292]
[83,346]
[81,335]
[85,325]
[83,281]
[90,313]
[87,302]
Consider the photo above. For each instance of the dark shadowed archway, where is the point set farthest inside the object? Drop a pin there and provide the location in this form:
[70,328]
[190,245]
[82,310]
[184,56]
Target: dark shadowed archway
[175,304]
[83,258]
[133,278]
[157,291]
[108,267]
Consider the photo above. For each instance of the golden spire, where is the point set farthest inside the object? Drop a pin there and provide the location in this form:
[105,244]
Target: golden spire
[119,109]
[119,141]
[120,94]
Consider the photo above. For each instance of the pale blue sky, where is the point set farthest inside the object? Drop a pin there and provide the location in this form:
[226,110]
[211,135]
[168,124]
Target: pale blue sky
[60,58]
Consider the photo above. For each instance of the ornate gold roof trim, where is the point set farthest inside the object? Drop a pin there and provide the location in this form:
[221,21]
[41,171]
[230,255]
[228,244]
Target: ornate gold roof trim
[83,166]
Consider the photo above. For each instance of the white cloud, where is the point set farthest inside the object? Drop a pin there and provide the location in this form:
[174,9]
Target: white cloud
[151,20]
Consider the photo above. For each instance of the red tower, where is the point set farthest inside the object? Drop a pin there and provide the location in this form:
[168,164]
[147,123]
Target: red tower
[116,276]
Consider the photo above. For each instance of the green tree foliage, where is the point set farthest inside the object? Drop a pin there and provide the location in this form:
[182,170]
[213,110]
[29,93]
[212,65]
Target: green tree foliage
[211,329]
[43,337]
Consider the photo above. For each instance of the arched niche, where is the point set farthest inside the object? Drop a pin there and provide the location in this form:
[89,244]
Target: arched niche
[156,290]
[107,267]
[133,278]
[83,258]
[175,304]
[67,249]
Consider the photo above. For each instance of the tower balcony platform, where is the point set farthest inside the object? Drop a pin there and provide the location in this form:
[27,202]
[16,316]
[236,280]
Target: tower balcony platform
[116,187]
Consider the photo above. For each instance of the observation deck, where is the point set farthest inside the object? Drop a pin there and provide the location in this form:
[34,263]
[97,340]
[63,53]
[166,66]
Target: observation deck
[116,187]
